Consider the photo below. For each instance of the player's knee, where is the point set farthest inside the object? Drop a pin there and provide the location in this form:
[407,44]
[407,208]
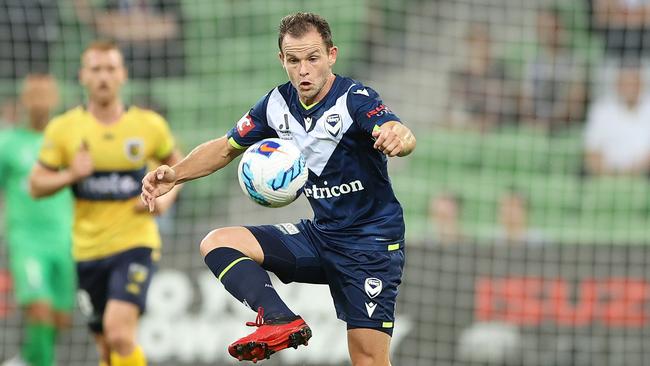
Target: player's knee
[119,339]
[364,358]
[215,239]
[368,347]
[237,238]
[40,313]
[228,237]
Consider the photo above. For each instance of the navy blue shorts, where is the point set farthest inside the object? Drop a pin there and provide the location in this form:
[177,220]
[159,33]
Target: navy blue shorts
[363,283]
[124,276]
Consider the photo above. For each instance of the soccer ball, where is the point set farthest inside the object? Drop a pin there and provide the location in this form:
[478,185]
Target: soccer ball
[272,172]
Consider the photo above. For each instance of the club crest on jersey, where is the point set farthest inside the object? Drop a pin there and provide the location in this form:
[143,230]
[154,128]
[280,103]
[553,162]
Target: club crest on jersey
[134,149]
[373,287]
[333,124]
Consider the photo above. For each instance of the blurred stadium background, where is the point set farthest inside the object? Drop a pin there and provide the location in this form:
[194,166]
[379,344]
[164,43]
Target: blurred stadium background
[518,253]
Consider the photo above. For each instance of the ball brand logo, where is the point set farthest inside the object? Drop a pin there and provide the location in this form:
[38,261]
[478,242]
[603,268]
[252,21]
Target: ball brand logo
[334,191]
[269,148]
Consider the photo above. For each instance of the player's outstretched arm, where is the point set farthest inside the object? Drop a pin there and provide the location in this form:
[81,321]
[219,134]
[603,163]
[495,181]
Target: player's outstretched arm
[394,139]
[44,181]
[205,159]
[164,202]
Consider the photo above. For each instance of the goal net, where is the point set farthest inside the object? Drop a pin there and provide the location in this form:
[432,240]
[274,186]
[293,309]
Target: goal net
[526,209]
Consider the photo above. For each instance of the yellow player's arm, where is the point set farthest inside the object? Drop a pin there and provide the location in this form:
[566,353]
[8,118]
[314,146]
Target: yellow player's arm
[44,181]
[205,159]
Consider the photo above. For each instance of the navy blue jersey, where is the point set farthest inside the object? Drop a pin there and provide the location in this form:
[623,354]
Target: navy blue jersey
[348,186]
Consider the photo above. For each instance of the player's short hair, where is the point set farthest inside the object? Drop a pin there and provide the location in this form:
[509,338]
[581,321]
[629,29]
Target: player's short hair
[298,24]
[101,45]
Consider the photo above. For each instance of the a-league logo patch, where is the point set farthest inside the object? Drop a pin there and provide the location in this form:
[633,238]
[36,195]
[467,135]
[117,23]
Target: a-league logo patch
[134,149]
[373,287]
[245,125]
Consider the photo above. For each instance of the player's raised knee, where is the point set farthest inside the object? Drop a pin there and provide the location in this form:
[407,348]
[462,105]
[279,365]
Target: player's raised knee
[235,237]
[215,239]
[119,339]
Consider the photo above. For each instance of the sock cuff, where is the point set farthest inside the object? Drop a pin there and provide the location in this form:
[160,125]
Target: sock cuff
[222,259]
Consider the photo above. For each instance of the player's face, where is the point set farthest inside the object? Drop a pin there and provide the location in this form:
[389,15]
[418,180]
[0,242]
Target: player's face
[40,93]
[102,74]
[308,64]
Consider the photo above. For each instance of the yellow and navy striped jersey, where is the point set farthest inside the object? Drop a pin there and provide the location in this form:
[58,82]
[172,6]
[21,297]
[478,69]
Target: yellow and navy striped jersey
[105,220]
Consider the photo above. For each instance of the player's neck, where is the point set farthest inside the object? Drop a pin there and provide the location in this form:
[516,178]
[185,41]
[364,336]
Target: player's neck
[107,113]
[38,119]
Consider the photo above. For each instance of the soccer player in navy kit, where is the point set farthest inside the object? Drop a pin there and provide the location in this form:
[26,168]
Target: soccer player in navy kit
[355,241]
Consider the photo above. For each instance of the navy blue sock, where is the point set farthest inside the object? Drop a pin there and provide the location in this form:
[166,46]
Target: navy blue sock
[247,281]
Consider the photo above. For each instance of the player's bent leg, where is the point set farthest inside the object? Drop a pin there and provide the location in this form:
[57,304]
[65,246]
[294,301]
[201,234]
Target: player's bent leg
[368,347]
[235,256]
[120,329]
[238,238]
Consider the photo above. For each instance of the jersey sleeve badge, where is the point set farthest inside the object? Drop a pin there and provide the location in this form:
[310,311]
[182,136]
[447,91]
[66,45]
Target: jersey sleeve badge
[245,125]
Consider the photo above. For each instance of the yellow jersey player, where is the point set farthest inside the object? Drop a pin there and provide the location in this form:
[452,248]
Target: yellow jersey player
[102,150]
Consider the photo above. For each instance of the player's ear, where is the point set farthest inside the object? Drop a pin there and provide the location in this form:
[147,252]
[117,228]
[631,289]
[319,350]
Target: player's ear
[281,57]
[332,54]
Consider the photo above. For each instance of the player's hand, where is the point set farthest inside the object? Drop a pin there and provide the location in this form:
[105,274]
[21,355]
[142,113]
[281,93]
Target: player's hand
[390,139]
[82,163]
[156,183]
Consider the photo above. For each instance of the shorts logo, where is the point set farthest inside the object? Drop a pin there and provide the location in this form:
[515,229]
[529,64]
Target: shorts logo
[134,149]
[372,287]
[370,308]
[333,124]
[138,274]
[287,229]
[245,125]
